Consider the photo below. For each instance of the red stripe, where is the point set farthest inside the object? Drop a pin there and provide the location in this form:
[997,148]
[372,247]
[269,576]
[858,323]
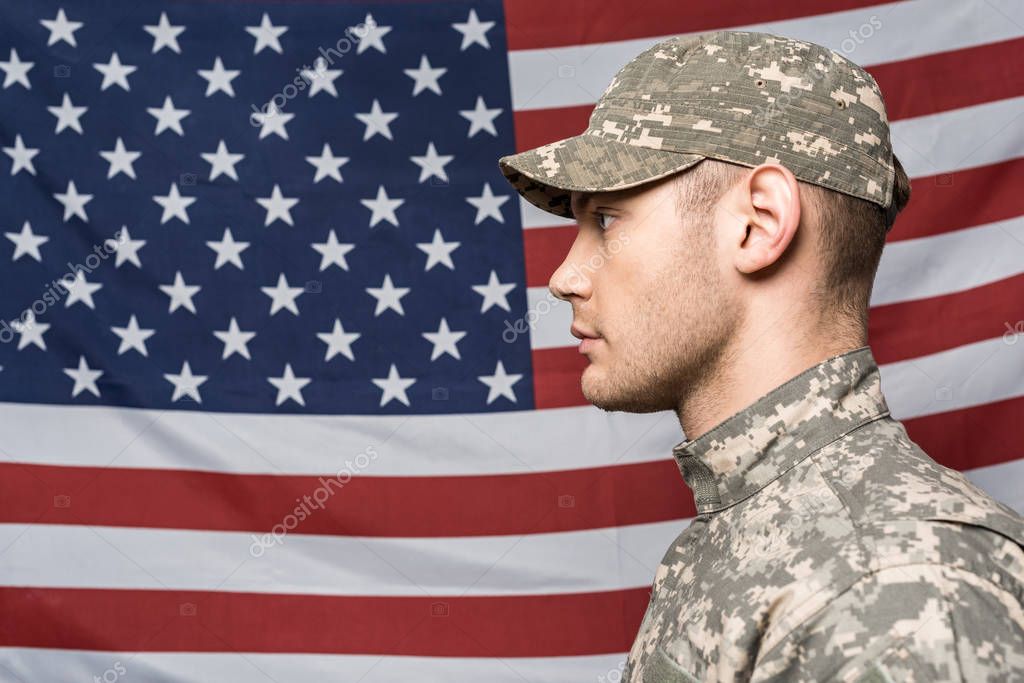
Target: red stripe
[578,22]
[951,80]
[951,201]
[536,127]
[202,621]
[568,500]
[917,328]
[912,87]
[544,249]
[556,377]
[598,498]
[939,204]
[979,436]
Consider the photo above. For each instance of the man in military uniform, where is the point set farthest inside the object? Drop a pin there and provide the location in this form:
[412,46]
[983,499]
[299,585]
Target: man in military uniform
[738,187]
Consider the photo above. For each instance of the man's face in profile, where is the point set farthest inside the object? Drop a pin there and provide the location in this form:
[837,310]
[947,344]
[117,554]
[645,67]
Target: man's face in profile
[648,282]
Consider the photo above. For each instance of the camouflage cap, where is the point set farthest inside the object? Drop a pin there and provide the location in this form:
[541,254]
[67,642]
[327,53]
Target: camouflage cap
[738,96]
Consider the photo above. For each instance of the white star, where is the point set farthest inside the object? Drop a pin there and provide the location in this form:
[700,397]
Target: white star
[444,341]
[480,118]
[164,34]
[114,72]
[22,156]
[425,76]
[266,35]
[235,340]
[438,251]
[133,337]
[16,71]
[74,203]
[222,161]
[67,115]
[474,31]
[26,242]
[321,78]
[388,296]
[282,296]
[289,386]
[127,249]
[377,121]
[228,250]
[500,384]
[80,289]
[338,341]
[181,294]
[85,378]
[333,252]
[374,35]
[494,293]
[218,79]
[273,121]
[278,206]
[394,386]
[61,29]
[120,160]
[327,165]
[168,117]
[432,164]
[175,205]
[488,205]
[185,383]
[382,207]
[31,331]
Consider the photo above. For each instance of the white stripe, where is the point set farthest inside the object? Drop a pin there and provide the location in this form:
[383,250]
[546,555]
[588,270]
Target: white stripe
[577,75]
[966,376]
[949,262]
[29,665]
[549,319]
[164,559]
[1004,482]
[422,445]
[960,138]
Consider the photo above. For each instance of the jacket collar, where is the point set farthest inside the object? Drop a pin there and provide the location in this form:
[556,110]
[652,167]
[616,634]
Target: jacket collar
[747,451]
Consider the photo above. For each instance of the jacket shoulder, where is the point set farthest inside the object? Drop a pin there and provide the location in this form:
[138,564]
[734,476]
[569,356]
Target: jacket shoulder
[888,483]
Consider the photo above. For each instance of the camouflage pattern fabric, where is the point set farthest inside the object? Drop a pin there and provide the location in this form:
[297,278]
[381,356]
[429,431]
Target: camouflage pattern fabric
[829,547]
[737,96]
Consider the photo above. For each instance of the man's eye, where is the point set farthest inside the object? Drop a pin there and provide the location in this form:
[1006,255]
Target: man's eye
[604,220]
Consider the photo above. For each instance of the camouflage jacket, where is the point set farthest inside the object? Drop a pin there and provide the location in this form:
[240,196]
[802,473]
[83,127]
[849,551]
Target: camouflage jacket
[829,547]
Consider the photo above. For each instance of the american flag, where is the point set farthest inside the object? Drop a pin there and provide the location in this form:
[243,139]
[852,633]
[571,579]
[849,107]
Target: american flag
[284,394]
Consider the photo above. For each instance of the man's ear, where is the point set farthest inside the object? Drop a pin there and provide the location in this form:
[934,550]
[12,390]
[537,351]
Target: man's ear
[763,212]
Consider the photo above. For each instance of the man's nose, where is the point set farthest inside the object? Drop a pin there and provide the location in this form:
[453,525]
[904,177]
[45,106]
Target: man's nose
[569,280]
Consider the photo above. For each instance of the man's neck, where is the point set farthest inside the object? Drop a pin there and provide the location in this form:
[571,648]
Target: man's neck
[749,369]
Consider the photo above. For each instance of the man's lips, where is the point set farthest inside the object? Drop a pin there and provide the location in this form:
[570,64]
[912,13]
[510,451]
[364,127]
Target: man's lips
[581,332]
[588,338]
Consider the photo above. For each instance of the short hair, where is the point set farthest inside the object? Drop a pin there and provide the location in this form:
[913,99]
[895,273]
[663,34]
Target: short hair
[851,232]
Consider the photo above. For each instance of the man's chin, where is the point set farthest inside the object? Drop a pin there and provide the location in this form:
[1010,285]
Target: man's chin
[599,393]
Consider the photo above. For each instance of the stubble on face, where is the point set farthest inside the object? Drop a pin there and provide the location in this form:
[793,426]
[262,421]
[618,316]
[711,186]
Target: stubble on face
[670,340]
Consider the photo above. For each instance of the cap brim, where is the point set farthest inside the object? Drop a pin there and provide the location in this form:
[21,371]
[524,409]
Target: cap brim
[586,163]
